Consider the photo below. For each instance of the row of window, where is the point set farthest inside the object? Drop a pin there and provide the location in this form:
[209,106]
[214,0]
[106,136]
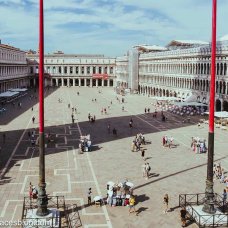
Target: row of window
[191,84]
[76,70]
[9,55]
[80,60]
[13,70]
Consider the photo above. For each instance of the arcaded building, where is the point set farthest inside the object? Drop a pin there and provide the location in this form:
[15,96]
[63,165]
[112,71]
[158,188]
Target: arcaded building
[75,70]
[14,70]
[181,69]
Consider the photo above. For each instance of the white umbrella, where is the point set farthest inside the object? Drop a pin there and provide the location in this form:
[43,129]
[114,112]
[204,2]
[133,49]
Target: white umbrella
[120,185]
[97,198]
[110,193]
[129,184]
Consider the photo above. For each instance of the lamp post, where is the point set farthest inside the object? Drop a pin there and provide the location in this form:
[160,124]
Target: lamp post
[42,201]
[209,192]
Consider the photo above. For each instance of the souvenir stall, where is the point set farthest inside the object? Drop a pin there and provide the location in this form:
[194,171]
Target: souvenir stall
[119,194]
[85,144]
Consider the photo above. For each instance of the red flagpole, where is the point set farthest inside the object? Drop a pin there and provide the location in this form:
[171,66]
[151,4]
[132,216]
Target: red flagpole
[41,69]
[213,68]
[42,200]
[209,191]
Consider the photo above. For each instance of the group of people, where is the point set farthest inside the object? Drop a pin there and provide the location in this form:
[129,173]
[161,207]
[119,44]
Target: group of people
[146,170]
[91,118]
[32,138]
[147,110]
[137,142]
[117,195]
[198,145]
[85,144]
[167,141]
[33,192]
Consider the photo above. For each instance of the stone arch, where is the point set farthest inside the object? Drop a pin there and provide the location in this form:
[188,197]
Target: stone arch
[207,86]
[225,105]
[156,91]
[59,82]
[221,69]
[163,92]
[217,70]
[54,82]
[198,98]
[204,100]
[76,82]
[220,87]
[71,82]
[218,105]
[224,88]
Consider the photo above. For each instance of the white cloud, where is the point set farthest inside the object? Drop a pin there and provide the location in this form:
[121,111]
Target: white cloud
[151,21]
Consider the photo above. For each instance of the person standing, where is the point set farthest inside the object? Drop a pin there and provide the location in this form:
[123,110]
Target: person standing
[132,204]
[147,170]
[89,196]
[33,119]
[29,134]
[143,154]
[166,203]
[144,170]
[130,124]
[108,127]
[183,214]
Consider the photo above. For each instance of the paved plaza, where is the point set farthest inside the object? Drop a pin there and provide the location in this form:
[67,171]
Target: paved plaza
[174,171]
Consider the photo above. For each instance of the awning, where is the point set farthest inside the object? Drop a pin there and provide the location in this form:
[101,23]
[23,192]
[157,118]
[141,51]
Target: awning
[191,98]
[167,98]
[18,90]
[100,76]
[222,114]
[182,104]
[8,94]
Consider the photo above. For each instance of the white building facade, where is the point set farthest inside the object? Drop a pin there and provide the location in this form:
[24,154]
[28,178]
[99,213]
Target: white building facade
[183,73]
[75,70]
[14,70]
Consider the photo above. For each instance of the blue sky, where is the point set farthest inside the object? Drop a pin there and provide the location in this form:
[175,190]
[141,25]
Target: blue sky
[108,27]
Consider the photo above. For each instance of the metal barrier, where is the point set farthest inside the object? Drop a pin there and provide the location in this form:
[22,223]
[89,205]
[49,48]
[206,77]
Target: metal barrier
[73,217]
[214,220]
[54,221]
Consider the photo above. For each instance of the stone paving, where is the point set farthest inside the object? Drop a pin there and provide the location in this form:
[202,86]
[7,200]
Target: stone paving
[174,171]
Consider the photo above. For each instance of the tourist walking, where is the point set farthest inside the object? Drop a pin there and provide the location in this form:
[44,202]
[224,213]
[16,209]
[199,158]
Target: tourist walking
[33,119]
[130,124]
[143,154]
[166,203]
[183,214]
[114,132]
[147,170]
[144,170]
[108,127]
[132,204]
[29,134]
[89,196]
